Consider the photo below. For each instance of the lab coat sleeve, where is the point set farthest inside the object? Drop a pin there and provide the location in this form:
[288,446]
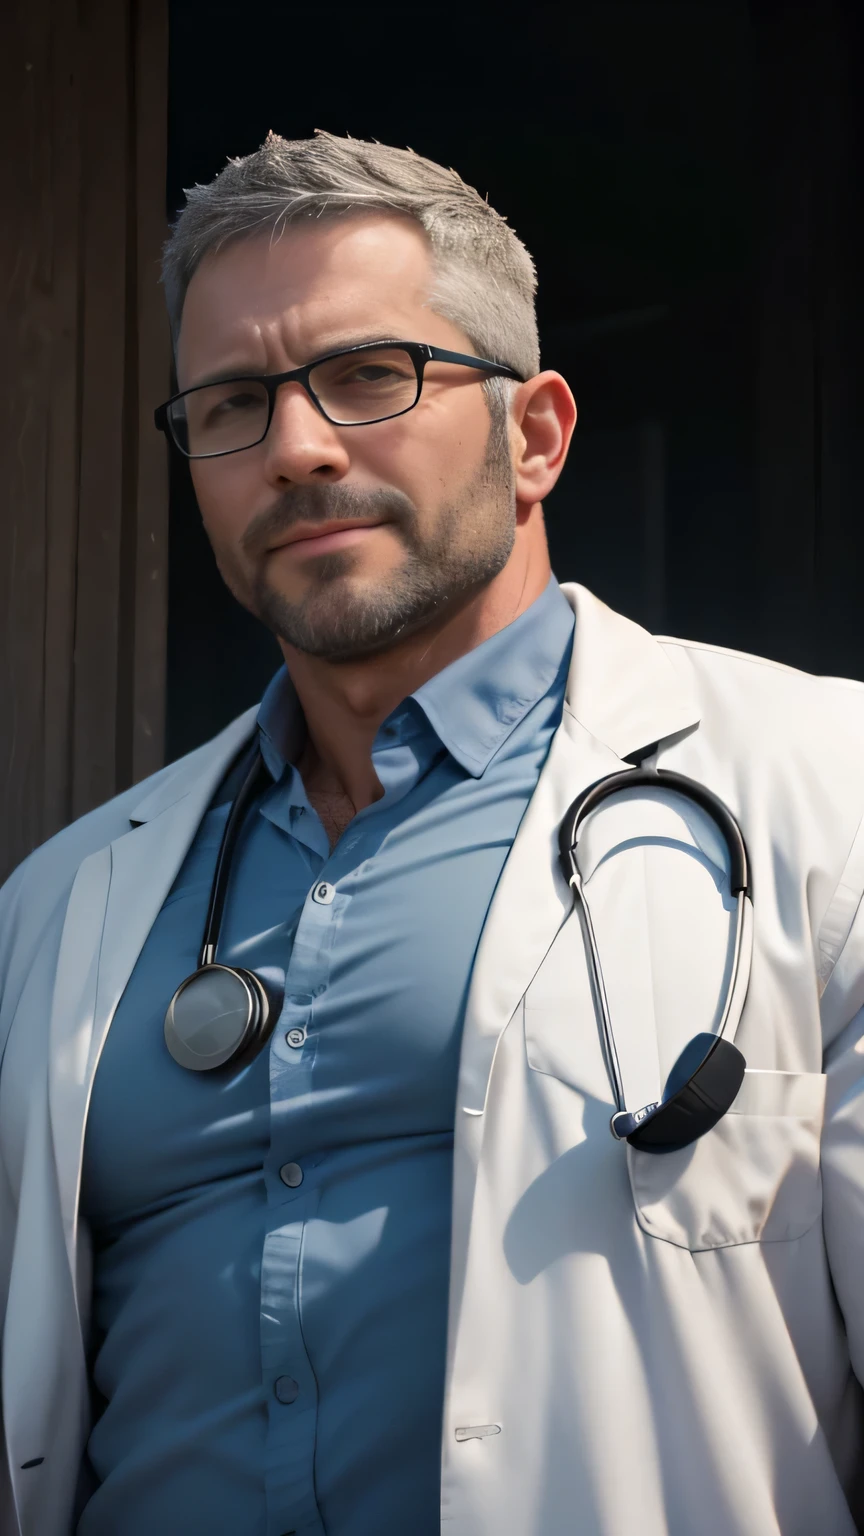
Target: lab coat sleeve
[11,974]
[843,1134]
[10,986]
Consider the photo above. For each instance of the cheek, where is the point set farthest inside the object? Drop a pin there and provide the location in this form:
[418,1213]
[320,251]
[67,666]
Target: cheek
[222,494]
[438,445]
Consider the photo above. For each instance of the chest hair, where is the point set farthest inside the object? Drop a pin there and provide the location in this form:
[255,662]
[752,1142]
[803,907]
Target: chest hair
[334,809]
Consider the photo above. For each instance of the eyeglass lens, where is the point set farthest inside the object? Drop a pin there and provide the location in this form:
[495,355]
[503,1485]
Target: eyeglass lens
[352,388]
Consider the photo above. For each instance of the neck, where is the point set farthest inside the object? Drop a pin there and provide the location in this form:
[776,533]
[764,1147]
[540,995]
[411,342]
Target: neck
[344,704]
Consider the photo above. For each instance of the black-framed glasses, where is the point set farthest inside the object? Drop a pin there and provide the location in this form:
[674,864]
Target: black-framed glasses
[352,388]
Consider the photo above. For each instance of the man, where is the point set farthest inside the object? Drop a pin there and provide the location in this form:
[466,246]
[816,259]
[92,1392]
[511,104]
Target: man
[385,1270]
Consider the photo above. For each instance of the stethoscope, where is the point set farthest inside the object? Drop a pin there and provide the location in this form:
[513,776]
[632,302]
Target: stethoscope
[709,1072]
[222,1015]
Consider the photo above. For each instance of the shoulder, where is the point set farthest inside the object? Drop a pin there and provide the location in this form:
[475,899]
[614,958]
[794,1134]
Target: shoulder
[785,749]
[45,878]
[762,704]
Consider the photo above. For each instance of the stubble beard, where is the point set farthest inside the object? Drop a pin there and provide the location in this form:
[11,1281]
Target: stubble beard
[340,620]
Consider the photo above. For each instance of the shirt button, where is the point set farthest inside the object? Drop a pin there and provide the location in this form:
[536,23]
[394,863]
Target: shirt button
[296,1037]
[286,1388]
[324,893]
[291,1174]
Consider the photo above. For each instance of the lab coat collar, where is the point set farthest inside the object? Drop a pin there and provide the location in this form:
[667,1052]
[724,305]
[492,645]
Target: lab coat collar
[197,775]
[622,686]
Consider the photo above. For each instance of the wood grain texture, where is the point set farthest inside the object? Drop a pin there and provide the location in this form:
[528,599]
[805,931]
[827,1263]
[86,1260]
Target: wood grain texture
[103,500]
[84,501]
[61,530]
[154,373]
[25,341]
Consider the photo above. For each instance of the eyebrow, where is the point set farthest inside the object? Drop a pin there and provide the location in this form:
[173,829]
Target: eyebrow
[246,371]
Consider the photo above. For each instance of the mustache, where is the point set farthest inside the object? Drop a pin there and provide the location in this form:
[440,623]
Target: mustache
[325,504]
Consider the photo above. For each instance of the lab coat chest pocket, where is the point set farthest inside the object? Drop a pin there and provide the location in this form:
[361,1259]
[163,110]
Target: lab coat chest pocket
[664,921]
[754,1178]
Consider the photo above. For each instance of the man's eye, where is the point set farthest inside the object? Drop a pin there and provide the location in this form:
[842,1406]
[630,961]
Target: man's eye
[238,402]
[370,373]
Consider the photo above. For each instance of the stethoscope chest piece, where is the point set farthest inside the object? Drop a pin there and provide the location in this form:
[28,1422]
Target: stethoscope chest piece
[219,1014]
[686,1114]
[222,1014]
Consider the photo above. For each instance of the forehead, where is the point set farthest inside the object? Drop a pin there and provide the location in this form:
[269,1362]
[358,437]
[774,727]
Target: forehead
[316,285]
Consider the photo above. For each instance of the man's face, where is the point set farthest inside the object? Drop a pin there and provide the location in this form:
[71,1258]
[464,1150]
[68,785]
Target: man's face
[424,501]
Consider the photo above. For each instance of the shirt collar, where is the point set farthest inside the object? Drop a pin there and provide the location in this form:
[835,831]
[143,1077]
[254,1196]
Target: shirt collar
[281,724]
[473,705]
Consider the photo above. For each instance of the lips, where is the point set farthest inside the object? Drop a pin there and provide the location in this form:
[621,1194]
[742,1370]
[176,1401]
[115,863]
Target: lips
[326,536]
[311,534]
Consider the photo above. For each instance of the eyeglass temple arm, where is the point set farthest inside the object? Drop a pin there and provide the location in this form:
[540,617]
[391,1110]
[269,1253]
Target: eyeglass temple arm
[441,355]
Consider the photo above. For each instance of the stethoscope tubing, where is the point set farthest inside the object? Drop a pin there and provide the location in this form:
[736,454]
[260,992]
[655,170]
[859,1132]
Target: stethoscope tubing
[261,1011]
[253,771]
[739,880]
[660,778]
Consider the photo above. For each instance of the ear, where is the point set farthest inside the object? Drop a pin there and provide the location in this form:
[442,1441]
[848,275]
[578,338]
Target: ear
[543,416]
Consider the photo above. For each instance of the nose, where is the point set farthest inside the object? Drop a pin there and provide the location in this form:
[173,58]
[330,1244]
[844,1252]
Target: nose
[301,445]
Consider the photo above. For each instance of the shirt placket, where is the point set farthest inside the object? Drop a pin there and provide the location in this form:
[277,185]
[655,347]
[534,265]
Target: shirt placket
[288,1376]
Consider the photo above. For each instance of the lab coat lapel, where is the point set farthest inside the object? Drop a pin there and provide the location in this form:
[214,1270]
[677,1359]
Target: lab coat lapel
[114,902]
[623,694]
[531,901]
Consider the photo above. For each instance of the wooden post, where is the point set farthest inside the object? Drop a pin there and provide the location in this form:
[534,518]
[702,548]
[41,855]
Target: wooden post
[83,517]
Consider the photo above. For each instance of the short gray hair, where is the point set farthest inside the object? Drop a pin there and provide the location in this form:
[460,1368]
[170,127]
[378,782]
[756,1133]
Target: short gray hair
[484,278]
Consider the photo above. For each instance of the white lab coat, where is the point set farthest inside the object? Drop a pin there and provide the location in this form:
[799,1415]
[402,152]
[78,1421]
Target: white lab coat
[668,1344]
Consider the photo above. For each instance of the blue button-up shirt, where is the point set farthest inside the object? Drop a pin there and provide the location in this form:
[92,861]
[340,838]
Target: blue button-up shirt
[272,1244]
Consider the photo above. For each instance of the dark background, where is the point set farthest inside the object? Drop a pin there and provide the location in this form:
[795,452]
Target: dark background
[687,178]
